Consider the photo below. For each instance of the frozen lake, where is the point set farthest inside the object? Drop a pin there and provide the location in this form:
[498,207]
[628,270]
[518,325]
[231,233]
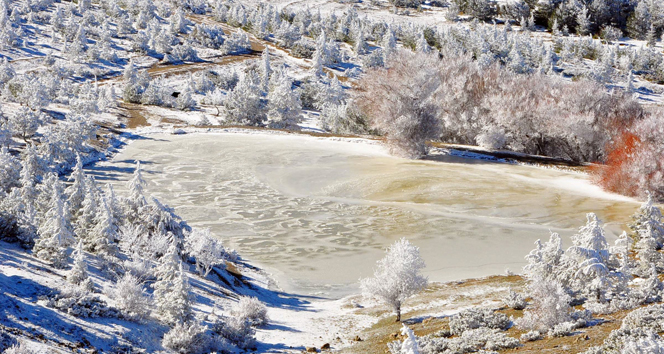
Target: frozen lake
[317,213]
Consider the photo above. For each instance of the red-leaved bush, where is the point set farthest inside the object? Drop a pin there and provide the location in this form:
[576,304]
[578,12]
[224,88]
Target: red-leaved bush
[635,159]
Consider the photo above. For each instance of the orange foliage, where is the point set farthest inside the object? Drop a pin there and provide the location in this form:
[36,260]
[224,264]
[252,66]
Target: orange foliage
[614,174]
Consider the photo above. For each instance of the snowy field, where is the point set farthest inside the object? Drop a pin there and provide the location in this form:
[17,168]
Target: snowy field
[317,212]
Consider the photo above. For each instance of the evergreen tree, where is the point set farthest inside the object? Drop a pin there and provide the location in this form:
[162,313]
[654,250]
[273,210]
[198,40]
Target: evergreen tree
[648,219]
[284,106]
[172,290]
[266,70]
[245,104]
[55,233]
[105,232]
[76,191]
[583,22]
[78,274]
[136,199]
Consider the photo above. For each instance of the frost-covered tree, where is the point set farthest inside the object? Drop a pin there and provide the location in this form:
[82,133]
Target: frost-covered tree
[55,234]
[10,168]
[400,101]
[648,219]
[284,105]
[76,190]
[409,344]
[172,290]
[25,123]
[136,199]
[104,235]
[583,22]
[266,70]
[130,297]
[397,276]
[549,307]
[245,104]
[78,274]
[206,250]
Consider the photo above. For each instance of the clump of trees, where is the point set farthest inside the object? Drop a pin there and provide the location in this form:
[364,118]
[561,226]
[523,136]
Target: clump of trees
[459,101]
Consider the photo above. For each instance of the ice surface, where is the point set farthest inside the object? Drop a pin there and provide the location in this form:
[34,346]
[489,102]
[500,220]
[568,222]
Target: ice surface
[318,213]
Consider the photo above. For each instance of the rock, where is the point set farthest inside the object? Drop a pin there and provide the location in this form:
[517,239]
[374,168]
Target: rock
[178,131]
[325,346]
[311,350]
[357,339]
[395,335]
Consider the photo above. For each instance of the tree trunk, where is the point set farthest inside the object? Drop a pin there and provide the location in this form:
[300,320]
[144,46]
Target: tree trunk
[398,311]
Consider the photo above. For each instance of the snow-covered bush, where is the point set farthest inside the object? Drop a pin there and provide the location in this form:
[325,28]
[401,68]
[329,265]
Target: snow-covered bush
[206,250]
[130,297]
[492,138]
[187,338]
[474,340]
[397,276]
[531,336]
[550,306]
[19,348]
[478,318]
[236,330]
[515,300]
[407,346]
[82,304]
[251,310]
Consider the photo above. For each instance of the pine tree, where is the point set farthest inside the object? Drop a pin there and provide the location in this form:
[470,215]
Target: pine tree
[422,46]
[409,344]
[648,219]
[245,105]
[266,70]
[317,62]
[78,274]
[105,232]
[583,22]
[389,44]
[172,289]
[55,233]
[76,191]
[284,106]
[136,199]
[88,212]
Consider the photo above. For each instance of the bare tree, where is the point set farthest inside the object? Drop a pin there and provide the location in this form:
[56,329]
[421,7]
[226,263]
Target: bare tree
[400,101]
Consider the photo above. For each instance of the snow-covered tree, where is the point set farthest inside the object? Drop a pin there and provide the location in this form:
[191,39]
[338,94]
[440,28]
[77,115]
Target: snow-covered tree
[25,122]
[245,104]
[136,199]
[104,235]
[172,290]
[55,233]
[400,102]
[266,70]
[409,344]
[78,274]
[130,297]
[550,306]
[206,250]
[76,191]
[648,218]
[397,276]
[284,105]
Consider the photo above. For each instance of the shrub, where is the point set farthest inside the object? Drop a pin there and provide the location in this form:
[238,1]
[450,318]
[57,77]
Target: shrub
[477,318]
[237,331]
[187,338]
[515,300]
[130,298]
[252,310]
